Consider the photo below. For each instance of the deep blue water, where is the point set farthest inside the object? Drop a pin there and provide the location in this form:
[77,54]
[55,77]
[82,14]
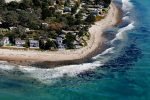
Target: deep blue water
[125,77]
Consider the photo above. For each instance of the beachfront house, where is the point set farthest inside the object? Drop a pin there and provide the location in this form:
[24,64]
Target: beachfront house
[59,41]
[19,42]
[34,43]
[5,41]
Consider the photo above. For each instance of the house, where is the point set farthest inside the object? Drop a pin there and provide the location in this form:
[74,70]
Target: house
[34,43]
[5,41]
[95,12]
[19,42]
[45,25]
[67,9]
[12,28]
[27,30]
[59,41]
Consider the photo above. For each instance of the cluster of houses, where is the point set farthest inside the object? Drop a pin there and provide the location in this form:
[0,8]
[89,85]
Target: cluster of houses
[84,7]
[94,9]
[65,9]
[19,43]
[62,9]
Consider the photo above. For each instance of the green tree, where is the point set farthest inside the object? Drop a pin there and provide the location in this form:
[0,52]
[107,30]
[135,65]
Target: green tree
[2,2]
[27,3]
[13,5]
[27,44]
[69,41]
[74,9]
[10,17]
[37,3]
[48,45]
[41,44]
[46,13]
[90,19]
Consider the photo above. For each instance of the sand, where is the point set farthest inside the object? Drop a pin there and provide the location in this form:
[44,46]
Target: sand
[54,58]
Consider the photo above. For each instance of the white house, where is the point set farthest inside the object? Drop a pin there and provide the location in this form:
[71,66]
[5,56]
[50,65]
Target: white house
[67,9]
[34,43]
[5,41]
[45,25]
[59,41]
[19,42]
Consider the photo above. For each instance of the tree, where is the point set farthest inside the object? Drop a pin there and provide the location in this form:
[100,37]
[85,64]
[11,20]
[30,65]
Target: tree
[41,44]
[27,3]
[107,1]
[27,44]
[79,15]
[37,3]
[90,19]
[10,17]
[46,13]
[2,2]
[71,20]
[69,41]
[74,9]
[13,5]
[49,45]
[30,20]
[97,1]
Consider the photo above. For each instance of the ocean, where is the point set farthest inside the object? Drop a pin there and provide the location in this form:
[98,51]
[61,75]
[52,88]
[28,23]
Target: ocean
[119,73]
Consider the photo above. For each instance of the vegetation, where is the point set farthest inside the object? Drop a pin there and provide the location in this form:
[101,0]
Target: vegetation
[45,20]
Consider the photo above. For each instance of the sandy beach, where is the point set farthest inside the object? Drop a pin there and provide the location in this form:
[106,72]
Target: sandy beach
[54,58]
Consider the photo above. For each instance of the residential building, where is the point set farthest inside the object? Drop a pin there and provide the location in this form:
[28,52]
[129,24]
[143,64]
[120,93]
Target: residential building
[19,42]
[5,41]
[34,43]
[59,41]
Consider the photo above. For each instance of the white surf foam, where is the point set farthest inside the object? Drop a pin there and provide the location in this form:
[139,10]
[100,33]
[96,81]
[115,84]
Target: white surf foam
[49,75]
[126,5]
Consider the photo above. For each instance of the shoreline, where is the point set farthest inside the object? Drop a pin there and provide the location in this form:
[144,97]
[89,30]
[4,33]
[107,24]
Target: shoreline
[49,59]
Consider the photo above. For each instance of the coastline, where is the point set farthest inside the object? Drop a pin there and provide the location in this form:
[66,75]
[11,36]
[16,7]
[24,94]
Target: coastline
[49,59]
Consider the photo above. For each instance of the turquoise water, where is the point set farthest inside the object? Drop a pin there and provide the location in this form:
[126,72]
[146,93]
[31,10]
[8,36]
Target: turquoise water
[125,77]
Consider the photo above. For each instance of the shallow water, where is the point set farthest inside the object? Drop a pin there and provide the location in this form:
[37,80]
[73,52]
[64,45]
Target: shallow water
[119,73]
